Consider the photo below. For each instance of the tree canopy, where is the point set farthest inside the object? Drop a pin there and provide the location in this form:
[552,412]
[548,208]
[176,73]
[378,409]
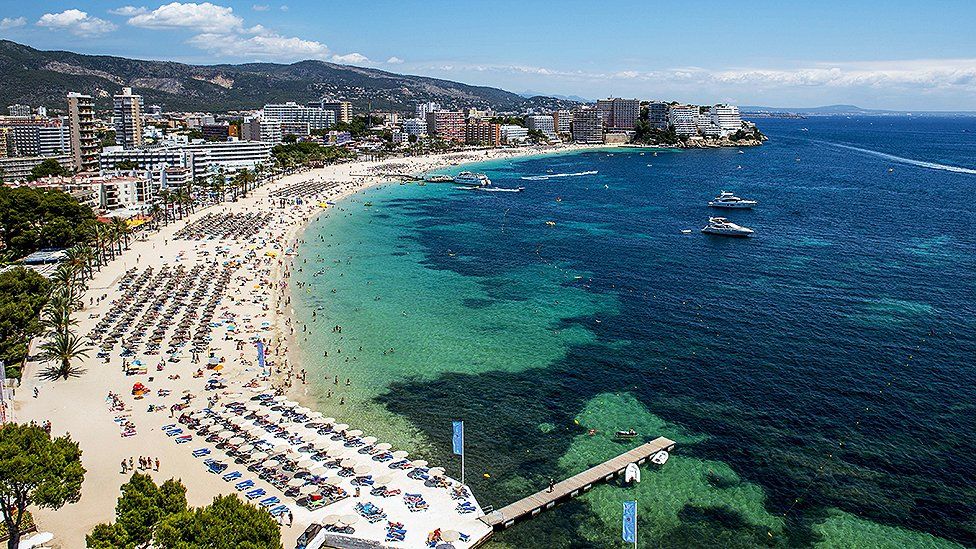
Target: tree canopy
[47,168]
[36,470]
[159,514]
[23,293]
[296,154]
[33,219]
[139,509]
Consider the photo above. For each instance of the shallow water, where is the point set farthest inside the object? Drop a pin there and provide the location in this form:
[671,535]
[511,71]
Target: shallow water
[816,376]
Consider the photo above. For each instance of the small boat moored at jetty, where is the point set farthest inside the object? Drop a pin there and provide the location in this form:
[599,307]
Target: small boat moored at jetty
[661,457]
[726,199]
[470,178]
[632,474]
[723,227]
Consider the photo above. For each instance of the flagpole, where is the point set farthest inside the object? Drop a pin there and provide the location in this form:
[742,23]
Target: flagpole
[635,522]
[462,454]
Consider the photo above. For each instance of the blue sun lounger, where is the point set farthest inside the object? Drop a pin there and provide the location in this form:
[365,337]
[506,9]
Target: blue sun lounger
[256,493]
[234,475]
[200,452]
[244,485]
[278,510]
[173,432]
[183,439]
[268,502]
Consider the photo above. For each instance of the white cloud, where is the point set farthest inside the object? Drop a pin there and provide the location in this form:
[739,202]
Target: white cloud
[284,7]
[260,7]
[394,60]
[205,17]
[129,11]
[350,58]
[76,22]
[267,46]
[12,22]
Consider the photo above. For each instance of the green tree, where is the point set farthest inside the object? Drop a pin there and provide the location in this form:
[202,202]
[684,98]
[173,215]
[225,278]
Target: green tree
[62,347]
[23,293]
[138,510]
[47,168]
[36,470]
[32,219]
[227,522]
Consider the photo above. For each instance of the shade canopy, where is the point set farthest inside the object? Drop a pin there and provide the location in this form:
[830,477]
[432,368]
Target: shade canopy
[383,446]
[369,440]
[362,470]
[450,535]
[348,463]
[259,456]
[419,463]
[236,441]
[348,520]
[354,433]
[271,464]
[382,480]
[436,471]
[329,520]
[296,482]
[400,454]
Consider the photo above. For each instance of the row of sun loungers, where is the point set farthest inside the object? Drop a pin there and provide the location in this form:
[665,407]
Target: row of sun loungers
[224,226]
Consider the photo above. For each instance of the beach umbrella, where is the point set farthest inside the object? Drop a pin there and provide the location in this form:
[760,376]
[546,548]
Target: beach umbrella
[383,480]
[369,440]
[450,535]
[253,406]
[245,448]
[400,454]
[280,446]
[259,456]
[348,463]
[225,434]
[383,446]
[308,489]
[236,441]
[289,403]
[263,413]
[318,471]
[198,415]
[419,463]
[362,470]
[296,482]
[322,445]
[436,471]
[330,520]
[239,421]
[271,464]
[315,415]
[301,410]
[329,420]
[340,427]
[279,398]
[348,520]
[207,421]
[257,430]
[306,463]
[354,433]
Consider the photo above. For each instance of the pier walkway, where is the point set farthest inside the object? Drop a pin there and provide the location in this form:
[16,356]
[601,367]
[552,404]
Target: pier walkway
[573,486]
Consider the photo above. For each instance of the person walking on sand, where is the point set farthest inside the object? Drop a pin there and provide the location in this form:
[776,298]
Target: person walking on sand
[157,464]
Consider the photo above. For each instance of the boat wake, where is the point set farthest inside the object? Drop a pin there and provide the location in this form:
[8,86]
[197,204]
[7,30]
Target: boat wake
[555,175]
[903,160]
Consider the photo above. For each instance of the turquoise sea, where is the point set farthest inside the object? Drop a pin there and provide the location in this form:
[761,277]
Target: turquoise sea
[818,377]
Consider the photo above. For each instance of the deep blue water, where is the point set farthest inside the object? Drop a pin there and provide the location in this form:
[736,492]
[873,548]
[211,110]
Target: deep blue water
[827,360]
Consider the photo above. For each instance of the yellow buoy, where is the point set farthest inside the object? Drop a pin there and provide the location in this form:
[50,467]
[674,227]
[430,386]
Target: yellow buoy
[486,475]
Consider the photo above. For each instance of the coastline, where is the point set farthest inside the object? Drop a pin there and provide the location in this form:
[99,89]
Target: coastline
[79,406]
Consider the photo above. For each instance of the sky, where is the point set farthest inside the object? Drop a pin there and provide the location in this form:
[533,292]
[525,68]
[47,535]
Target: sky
[882,54]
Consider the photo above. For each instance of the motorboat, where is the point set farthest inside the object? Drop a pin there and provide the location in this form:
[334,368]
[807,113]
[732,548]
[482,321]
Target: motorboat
[726,199]
[632,474]
[723,227]
[660,458]
[470,178]
[626,435]
[494,189]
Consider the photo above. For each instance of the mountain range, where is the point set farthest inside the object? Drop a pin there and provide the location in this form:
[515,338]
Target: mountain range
[36,77]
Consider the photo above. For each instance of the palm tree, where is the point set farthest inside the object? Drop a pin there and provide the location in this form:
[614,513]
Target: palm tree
[121,231]
[63,347]
[154,211]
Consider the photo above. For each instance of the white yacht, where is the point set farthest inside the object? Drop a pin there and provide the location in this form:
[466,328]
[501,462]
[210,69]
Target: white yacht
[723,227]
[469,178]
[726,199]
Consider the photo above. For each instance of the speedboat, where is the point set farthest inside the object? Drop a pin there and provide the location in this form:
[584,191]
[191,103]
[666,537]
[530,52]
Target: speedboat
[661,457]
[626,435]
[470,178]
[723,227]
[726,199]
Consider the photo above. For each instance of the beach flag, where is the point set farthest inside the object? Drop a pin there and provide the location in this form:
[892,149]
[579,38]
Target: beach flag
[459,438]
[261,354]
[630,521]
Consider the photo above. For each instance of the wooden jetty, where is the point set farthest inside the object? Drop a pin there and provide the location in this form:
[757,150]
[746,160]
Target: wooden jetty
[531,506]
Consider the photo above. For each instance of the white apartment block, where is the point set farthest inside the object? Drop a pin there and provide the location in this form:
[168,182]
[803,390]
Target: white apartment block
[512,134]
[291,112]
[684,118]
[543,123]
[416,126]
[726,118]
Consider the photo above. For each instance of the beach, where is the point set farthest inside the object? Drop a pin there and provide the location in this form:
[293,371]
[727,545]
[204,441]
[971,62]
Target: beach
[99,407]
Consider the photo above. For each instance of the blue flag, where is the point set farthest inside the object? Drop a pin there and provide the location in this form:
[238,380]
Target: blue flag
[630,521]
[459,438]
[261,354]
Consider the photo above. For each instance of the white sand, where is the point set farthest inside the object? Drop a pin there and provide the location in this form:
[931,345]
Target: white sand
[78,406]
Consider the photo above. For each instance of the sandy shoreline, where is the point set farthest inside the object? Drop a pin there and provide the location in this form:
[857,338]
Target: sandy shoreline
[255,303]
